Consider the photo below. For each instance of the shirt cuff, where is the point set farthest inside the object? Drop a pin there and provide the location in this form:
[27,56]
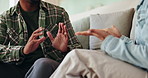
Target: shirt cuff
[21,52]
[104,43]
[122,37]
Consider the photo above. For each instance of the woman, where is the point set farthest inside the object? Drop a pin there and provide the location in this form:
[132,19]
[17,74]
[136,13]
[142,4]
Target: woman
[121,56]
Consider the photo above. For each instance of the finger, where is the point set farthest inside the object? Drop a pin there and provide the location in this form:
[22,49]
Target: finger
[89,33]
[65,31]
[59,30]
[66,36]
[34,36]
[106,29]
[101,34]
[41,40]
[50,36]
[38,40]
[116,31]
[62,26]
[38,30]
[37,35]
[115,28]
[97,31]
[98,36]
[81,33]
[85,33]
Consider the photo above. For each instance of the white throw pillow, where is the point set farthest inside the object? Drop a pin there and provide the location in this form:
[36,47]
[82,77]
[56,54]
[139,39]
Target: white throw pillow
[122,20]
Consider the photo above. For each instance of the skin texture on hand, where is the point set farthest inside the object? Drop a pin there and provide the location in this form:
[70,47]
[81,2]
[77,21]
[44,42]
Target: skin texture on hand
[101,33]
[33,42]
[60,42]
[114,31]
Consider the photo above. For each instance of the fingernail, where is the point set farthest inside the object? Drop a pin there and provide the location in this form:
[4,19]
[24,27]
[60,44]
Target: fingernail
[89,31]
[40,28]
[48,32]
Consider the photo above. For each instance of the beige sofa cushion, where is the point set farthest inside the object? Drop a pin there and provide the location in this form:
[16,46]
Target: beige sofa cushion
[121,19]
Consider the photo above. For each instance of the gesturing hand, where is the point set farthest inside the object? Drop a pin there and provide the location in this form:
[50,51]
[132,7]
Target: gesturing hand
[60,42]
[33,42]
[113,31]
[101,33]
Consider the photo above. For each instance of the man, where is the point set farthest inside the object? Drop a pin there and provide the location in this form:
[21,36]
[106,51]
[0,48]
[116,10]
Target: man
[120,57]
[31,30]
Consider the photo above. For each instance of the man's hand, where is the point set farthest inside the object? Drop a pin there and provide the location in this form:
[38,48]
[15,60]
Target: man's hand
[60,42]
[33,41]
[101,33]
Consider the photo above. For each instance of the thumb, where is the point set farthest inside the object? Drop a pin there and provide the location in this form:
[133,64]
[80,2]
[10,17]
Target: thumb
[50,36]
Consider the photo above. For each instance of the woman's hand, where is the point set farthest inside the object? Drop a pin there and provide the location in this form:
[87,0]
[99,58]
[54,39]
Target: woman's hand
[101,33]
[114,31]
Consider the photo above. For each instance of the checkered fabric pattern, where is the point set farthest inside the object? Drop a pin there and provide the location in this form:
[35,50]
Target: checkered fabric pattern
[14,33]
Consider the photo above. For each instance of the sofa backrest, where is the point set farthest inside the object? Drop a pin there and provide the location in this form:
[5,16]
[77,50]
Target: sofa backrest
[81,22]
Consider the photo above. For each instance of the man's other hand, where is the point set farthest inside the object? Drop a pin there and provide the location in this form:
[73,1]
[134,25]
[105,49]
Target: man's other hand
[33,42]
[60,42]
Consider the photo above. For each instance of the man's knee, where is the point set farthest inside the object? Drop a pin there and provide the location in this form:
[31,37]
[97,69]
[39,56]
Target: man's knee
[42,68]
[46,62]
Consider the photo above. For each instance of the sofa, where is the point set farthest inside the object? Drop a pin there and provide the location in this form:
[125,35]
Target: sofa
[120,14]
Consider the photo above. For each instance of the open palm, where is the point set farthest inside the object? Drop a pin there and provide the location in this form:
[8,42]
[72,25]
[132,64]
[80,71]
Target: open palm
[60,42]
[101,33]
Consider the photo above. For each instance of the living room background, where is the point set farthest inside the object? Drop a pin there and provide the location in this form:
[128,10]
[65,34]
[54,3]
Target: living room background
[71,6]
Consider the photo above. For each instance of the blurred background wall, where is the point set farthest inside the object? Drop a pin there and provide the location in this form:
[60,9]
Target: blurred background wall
[71,6]
[78,6]
[4,5]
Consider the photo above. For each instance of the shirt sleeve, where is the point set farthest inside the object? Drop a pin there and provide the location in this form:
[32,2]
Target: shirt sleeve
[73,41]
[8,53]
[125,49]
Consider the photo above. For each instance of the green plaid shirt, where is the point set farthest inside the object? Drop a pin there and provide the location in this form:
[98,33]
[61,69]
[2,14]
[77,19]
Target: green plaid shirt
[14,33]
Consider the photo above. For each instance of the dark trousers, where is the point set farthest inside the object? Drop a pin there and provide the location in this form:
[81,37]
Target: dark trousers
[11,71]
[42,68]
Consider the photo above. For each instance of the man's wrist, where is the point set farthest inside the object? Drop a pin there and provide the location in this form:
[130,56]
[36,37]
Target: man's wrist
[25,52]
